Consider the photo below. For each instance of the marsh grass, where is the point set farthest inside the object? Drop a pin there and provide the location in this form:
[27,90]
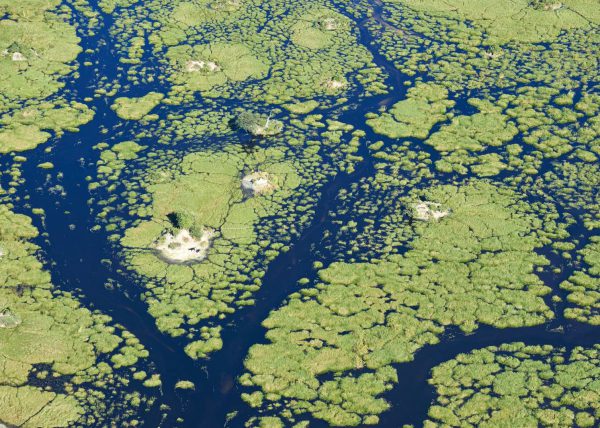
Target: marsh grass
[518,385]
[368,316]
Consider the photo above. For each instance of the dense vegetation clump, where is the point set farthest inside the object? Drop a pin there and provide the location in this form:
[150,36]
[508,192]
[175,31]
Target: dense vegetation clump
[517,385]
[136,108]
[424,106]
[204,205]
[45,333]
[584,286]
[521,20]
[431,167]
[38,47]
[340,338]
[257,124]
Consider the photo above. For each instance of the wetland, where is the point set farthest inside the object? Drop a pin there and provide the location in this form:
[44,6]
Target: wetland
[276,213]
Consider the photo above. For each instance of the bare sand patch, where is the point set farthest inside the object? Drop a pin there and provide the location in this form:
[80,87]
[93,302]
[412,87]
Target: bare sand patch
[553,6]
[194,66]
[257,183]
[183,247]
[8,319]
[428,211]
[18,56]
[335,84]
[493,54]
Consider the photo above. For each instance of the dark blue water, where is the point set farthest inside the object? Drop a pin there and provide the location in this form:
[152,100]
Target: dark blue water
[74,255]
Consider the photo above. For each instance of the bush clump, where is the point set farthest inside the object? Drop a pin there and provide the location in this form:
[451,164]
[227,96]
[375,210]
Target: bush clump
[185,220]
[258,124]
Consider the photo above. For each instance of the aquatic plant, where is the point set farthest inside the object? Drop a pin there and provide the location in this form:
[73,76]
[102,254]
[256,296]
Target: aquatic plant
[584,286]
[203,67]
[288,59]
[518,385]
[112,161]
[521,20]
[424,106]
[46,333]
[414,244]
[340,338]
[38,47]
[136,108]
[209,202]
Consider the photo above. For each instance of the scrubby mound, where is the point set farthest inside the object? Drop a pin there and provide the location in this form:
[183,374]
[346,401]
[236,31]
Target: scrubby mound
[546,5]
[226,5]
[517,385]
[136,108]
[335,84]
[203,67]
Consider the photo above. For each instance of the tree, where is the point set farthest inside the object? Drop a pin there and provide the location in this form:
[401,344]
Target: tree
[181,219]
[258,124]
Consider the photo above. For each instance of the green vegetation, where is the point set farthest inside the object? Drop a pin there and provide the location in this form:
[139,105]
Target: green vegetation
[521,20]
[108,6]
[236,49]
[45,333]
[366,316]
[203,67]
[38,46]
[424,106]
[206,195]
[316,29]
[257,124]
[185,384]
[517,385]
[477,166]
[584,286]
[136,108]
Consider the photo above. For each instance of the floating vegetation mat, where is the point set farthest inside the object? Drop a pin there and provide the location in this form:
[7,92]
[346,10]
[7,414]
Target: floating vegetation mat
[281,213]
